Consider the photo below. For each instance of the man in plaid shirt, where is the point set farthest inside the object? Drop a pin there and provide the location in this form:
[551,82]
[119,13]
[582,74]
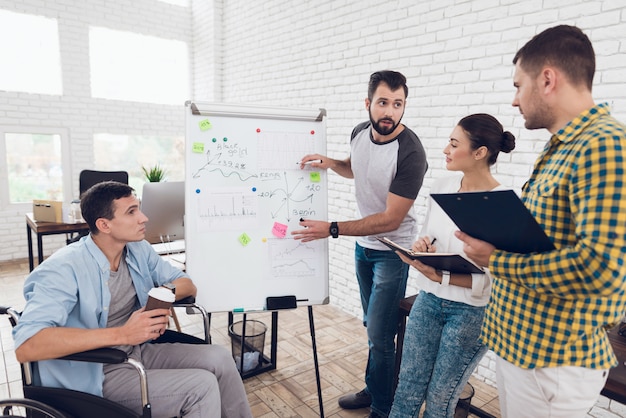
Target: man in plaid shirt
[549,312]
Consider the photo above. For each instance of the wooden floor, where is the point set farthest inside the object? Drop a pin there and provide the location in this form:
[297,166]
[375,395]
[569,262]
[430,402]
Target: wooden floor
[288,391]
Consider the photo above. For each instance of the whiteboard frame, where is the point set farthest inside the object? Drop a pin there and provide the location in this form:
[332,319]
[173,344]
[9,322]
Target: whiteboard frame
[201,274]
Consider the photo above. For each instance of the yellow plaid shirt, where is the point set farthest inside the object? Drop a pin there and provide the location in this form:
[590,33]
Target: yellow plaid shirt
[552,309]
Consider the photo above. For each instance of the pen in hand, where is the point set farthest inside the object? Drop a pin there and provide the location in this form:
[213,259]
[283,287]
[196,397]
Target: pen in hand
[309,162]
[431,244]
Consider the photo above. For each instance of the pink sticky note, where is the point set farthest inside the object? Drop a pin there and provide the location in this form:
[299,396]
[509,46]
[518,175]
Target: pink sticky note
[279,230]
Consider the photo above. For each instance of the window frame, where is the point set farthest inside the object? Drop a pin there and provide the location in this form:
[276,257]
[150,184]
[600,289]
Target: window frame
[5,202]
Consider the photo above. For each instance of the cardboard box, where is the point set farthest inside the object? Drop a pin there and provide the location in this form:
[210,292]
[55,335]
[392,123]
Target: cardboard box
[48,211]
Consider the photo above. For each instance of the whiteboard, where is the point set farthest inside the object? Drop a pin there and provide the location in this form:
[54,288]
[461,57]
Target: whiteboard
[244,194]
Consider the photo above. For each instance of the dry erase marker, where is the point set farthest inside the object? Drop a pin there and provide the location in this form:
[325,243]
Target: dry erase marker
[237,310]
[309,162]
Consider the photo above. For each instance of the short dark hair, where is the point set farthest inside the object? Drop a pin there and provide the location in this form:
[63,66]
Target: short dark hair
[97,201]
[565,47]
[393,79]
[484,130]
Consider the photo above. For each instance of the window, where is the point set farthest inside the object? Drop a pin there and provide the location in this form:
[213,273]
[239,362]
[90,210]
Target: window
[131,152]
[29,47]
[134,67]
[34,165]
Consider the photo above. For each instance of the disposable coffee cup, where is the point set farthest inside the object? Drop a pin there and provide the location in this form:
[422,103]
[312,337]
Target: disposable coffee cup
[160,298]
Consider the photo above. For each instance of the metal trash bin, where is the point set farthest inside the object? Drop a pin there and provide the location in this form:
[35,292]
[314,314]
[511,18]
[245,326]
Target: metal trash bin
[465,400]
[253,343]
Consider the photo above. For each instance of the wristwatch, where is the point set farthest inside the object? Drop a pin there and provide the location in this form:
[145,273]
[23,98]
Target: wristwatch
[170,286]
[445,278]
[334,230]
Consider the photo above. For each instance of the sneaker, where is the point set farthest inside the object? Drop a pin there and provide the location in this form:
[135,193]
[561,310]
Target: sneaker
[357,400]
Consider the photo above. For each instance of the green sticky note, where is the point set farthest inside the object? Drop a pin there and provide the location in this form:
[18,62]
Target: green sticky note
[205,125]
[314,177]
[197,147]
[244,239]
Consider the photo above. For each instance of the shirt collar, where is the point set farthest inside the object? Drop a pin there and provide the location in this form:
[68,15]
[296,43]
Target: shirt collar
[580,122]
[98,255]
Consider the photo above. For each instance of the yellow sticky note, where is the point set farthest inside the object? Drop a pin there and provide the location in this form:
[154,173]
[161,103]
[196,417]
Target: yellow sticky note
[197,147]
[314,177]
[244,239]
[205,125]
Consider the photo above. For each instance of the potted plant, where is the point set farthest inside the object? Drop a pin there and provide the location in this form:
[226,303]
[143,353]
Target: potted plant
[154,174]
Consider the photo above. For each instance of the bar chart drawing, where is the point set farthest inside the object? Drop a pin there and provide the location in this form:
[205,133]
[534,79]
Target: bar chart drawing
[227,209]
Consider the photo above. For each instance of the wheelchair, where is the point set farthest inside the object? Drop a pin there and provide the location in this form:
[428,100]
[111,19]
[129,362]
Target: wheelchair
[48,402]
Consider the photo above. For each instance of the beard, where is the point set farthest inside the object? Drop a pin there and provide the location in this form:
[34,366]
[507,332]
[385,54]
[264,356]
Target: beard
[382,130]
[539,116]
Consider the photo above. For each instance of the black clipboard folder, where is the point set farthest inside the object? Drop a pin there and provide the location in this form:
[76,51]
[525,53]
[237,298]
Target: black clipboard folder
[454,263]
[498,217]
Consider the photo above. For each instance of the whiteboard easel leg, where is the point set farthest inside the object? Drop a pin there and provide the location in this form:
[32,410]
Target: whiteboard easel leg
[317,369]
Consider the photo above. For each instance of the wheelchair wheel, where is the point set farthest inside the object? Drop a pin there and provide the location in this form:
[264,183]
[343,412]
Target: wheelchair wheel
[27,408]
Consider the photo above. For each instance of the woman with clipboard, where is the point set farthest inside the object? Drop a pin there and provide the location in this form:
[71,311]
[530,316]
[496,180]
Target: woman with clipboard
[441,344]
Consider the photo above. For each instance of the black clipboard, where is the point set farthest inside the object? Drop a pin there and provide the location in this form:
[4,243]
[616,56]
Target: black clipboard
[454,263]
[498,217]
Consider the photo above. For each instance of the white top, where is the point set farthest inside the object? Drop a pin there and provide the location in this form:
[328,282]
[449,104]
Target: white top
[438,225]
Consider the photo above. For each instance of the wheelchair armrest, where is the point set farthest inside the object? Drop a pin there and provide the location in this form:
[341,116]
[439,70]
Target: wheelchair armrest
[110,355]
[99,355]
[189,300]
[190,303]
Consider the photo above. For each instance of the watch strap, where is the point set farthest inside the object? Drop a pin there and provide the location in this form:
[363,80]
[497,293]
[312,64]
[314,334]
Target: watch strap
[334,230]
[445,278]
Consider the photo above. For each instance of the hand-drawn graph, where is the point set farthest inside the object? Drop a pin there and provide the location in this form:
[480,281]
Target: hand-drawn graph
[277,150]
[295,259]
[291,196]
[227,164]
[224,209]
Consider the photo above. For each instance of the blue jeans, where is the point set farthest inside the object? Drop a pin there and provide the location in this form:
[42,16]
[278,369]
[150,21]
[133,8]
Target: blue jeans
[382,282]
[441,350]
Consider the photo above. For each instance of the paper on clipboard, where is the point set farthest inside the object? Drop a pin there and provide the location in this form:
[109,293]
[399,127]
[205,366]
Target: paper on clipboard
[454,263]
[498,217]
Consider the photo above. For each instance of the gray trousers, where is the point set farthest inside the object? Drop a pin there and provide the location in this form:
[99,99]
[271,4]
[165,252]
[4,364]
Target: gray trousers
[185,380]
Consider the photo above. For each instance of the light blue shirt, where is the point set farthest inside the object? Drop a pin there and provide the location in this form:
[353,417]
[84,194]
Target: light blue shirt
[70,289]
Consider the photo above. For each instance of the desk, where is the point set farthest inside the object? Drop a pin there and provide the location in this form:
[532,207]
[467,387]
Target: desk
[47,228]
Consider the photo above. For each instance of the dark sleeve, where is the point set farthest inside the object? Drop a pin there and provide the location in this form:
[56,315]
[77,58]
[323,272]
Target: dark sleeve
[412,166]
[361,126]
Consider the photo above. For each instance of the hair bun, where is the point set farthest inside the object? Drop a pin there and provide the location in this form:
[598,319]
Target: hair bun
[508,142]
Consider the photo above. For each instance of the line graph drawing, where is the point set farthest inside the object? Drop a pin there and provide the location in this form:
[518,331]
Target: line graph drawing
[285,198]
[291,258]
[225,166]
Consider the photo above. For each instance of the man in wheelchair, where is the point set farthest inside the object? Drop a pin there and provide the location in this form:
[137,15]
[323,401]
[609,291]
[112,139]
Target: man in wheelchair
[92,294]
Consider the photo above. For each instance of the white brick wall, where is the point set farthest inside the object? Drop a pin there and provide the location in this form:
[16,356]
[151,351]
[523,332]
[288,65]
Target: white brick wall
[76,111]
[295,53]
[456,56]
